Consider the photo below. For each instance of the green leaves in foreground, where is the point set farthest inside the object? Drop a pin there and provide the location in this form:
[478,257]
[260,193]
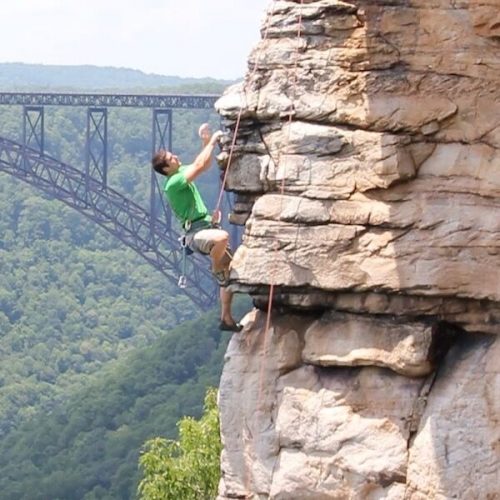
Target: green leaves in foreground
[188,468]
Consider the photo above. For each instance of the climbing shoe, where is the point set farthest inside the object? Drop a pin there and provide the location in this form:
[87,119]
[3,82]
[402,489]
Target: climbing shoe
[230,327]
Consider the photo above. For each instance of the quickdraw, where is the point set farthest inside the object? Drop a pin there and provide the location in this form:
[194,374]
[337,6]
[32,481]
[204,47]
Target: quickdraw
[182,283]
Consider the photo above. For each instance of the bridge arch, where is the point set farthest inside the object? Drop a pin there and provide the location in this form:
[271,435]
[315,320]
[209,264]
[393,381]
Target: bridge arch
[150,237]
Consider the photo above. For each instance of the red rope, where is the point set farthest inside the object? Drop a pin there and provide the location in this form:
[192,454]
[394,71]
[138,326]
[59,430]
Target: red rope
[248,479]
[282,188]
[269,15]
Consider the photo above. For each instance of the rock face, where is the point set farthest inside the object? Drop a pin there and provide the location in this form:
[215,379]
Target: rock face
[367,173]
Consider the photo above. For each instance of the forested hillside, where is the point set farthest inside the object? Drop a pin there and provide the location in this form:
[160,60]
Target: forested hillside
[78,311]
[24,77]
[88,446]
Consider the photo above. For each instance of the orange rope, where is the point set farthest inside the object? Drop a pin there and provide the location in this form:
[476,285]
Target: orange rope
[248,478]
[269,15]
[282,191]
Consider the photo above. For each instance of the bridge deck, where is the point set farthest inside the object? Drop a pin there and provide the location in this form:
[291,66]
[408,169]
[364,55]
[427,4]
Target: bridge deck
[177,101]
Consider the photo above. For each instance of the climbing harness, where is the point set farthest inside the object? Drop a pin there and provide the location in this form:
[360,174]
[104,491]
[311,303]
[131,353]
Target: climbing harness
[189,227]
[186,250]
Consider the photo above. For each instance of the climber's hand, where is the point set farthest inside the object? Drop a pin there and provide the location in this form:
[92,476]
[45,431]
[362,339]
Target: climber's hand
[204,132]
[216,136]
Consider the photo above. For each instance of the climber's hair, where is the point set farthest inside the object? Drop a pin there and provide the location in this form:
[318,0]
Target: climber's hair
[159,161]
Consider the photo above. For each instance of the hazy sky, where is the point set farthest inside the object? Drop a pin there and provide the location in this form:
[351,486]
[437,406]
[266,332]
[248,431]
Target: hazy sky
[170,37]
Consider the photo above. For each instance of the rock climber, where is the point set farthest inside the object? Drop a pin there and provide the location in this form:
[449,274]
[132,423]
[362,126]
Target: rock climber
[202,234]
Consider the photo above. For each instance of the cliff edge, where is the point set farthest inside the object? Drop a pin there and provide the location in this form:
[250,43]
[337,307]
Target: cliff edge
[366,167]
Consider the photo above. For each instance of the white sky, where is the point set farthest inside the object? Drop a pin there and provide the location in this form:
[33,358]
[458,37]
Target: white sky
[191,38]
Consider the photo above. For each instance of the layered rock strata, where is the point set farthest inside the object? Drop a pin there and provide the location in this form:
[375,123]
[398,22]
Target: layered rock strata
[367,174]
[296,429]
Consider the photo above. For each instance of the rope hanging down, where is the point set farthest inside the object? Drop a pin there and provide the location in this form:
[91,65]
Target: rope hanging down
[269,15]
[282,191]
[247,473]
[216,217]
[285,147]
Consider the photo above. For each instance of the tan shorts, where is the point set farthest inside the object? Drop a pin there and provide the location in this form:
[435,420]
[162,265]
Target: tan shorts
[204,240]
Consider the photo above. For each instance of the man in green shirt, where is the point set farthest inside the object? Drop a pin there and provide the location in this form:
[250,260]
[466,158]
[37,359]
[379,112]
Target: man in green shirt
[188,206]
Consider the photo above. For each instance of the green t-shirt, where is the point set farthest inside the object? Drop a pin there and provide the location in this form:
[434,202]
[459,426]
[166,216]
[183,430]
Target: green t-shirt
[184,197]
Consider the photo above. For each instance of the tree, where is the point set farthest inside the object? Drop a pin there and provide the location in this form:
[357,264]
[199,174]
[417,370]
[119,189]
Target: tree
[188,468]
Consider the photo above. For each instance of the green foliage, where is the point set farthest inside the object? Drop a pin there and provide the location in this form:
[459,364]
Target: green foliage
[187,468]
[71,298]
[88,445]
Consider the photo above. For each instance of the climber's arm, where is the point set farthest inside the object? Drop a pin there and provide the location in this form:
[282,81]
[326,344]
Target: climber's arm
[202,161]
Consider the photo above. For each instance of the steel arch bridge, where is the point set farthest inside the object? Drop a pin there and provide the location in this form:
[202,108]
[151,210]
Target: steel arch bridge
[151,233]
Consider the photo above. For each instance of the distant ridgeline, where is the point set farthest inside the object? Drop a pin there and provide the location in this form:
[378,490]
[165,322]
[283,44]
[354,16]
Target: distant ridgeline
[25,76]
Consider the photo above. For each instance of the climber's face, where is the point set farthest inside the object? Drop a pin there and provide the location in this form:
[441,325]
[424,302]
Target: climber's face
[172,164]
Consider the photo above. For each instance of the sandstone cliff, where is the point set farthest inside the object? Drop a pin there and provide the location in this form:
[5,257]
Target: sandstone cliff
[367,173]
